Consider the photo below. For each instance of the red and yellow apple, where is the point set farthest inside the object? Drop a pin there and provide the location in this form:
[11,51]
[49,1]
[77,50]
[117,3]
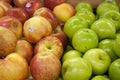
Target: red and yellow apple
[19,3]
[2,12]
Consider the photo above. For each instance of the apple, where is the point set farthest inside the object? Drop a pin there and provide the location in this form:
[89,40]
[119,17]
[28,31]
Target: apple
[76,69]
[13,24]
[111,1]
[83,6]
[107,45]
[104,29]
[2,12]
[25,49]
[8,1]
[13,67]
[31,6]
[114,70]
[106,6]
[64,11]
[100,77]
[35,28]
[87,15]
[5,5]
[68,48]
[45,66]
[52,3]
[19,3]
[84,39]
[49,44]
[71,54]
[99,60]
[18,13]
[8,41]
[73,25]
[48,14]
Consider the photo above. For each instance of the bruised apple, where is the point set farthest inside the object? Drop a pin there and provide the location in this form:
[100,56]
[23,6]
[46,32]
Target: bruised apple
[8,41]
[25,49]
[48,14]
[13,24]
[49,44]
[36,28]
[13,67]
[45,66]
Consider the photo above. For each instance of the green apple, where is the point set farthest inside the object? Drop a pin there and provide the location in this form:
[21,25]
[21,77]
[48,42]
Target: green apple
[107,45]
[111,1]
[68,48]
[114,70]
[99,60]
[114,16]
[76,69]
[71,55]
[87,15]
[74,24]
[83,6]
[106,6]
[100,77]
[84,39]
[104,28]
[117,45]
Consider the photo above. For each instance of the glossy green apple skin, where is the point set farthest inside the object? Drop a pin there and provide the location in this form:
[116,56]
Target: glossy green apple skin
[100,77]
[84,39]
[71,55]
[99,59]
[74,24]
[107,45]
[117,45]
[114,16]
[83,6]
[106,6]
[76,69]
[87,15]
[104,29]
[114,70]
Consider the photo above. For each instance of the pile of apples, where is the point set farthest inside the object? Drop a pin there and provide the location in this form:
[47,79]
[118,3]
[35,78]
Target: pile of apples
[54,40]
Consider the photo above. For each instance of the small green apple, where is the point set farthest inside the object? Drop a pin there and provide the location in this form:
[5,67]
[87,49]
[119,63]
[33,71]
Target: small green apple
[83,6]
[76,69]
[87,15]
[99,60]
[74,24]
[71,55]
[107,45]
[100,77]
[114,16]
[114,70]
[104,28]
[84,39]
[111,1]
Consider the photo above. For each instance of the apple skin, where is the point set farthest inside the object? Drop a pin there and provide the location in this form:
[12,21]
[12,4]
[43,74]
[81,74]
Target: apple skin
[18,13]
[25,49]
[99,60]
[45,66]
[19,3]
[13,24]
[67,11]
[13,67]
[8,40]
[100,77]
[48,14]
[35,28]
[5,5]
[50,44]
[52,3]
[76,69]
[2,11]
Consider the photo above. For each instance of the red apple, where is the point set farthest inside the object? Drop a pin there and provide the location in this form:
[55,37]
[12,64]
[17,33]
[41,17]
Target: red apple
[35,28]
[45,66]
[25,49]
[51,44]
[13,24]
[2,11]
[20,3]
[18,13]
[52,3]
[5,5]
[31,6]
[48,14]
[13,67]
[8,41]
